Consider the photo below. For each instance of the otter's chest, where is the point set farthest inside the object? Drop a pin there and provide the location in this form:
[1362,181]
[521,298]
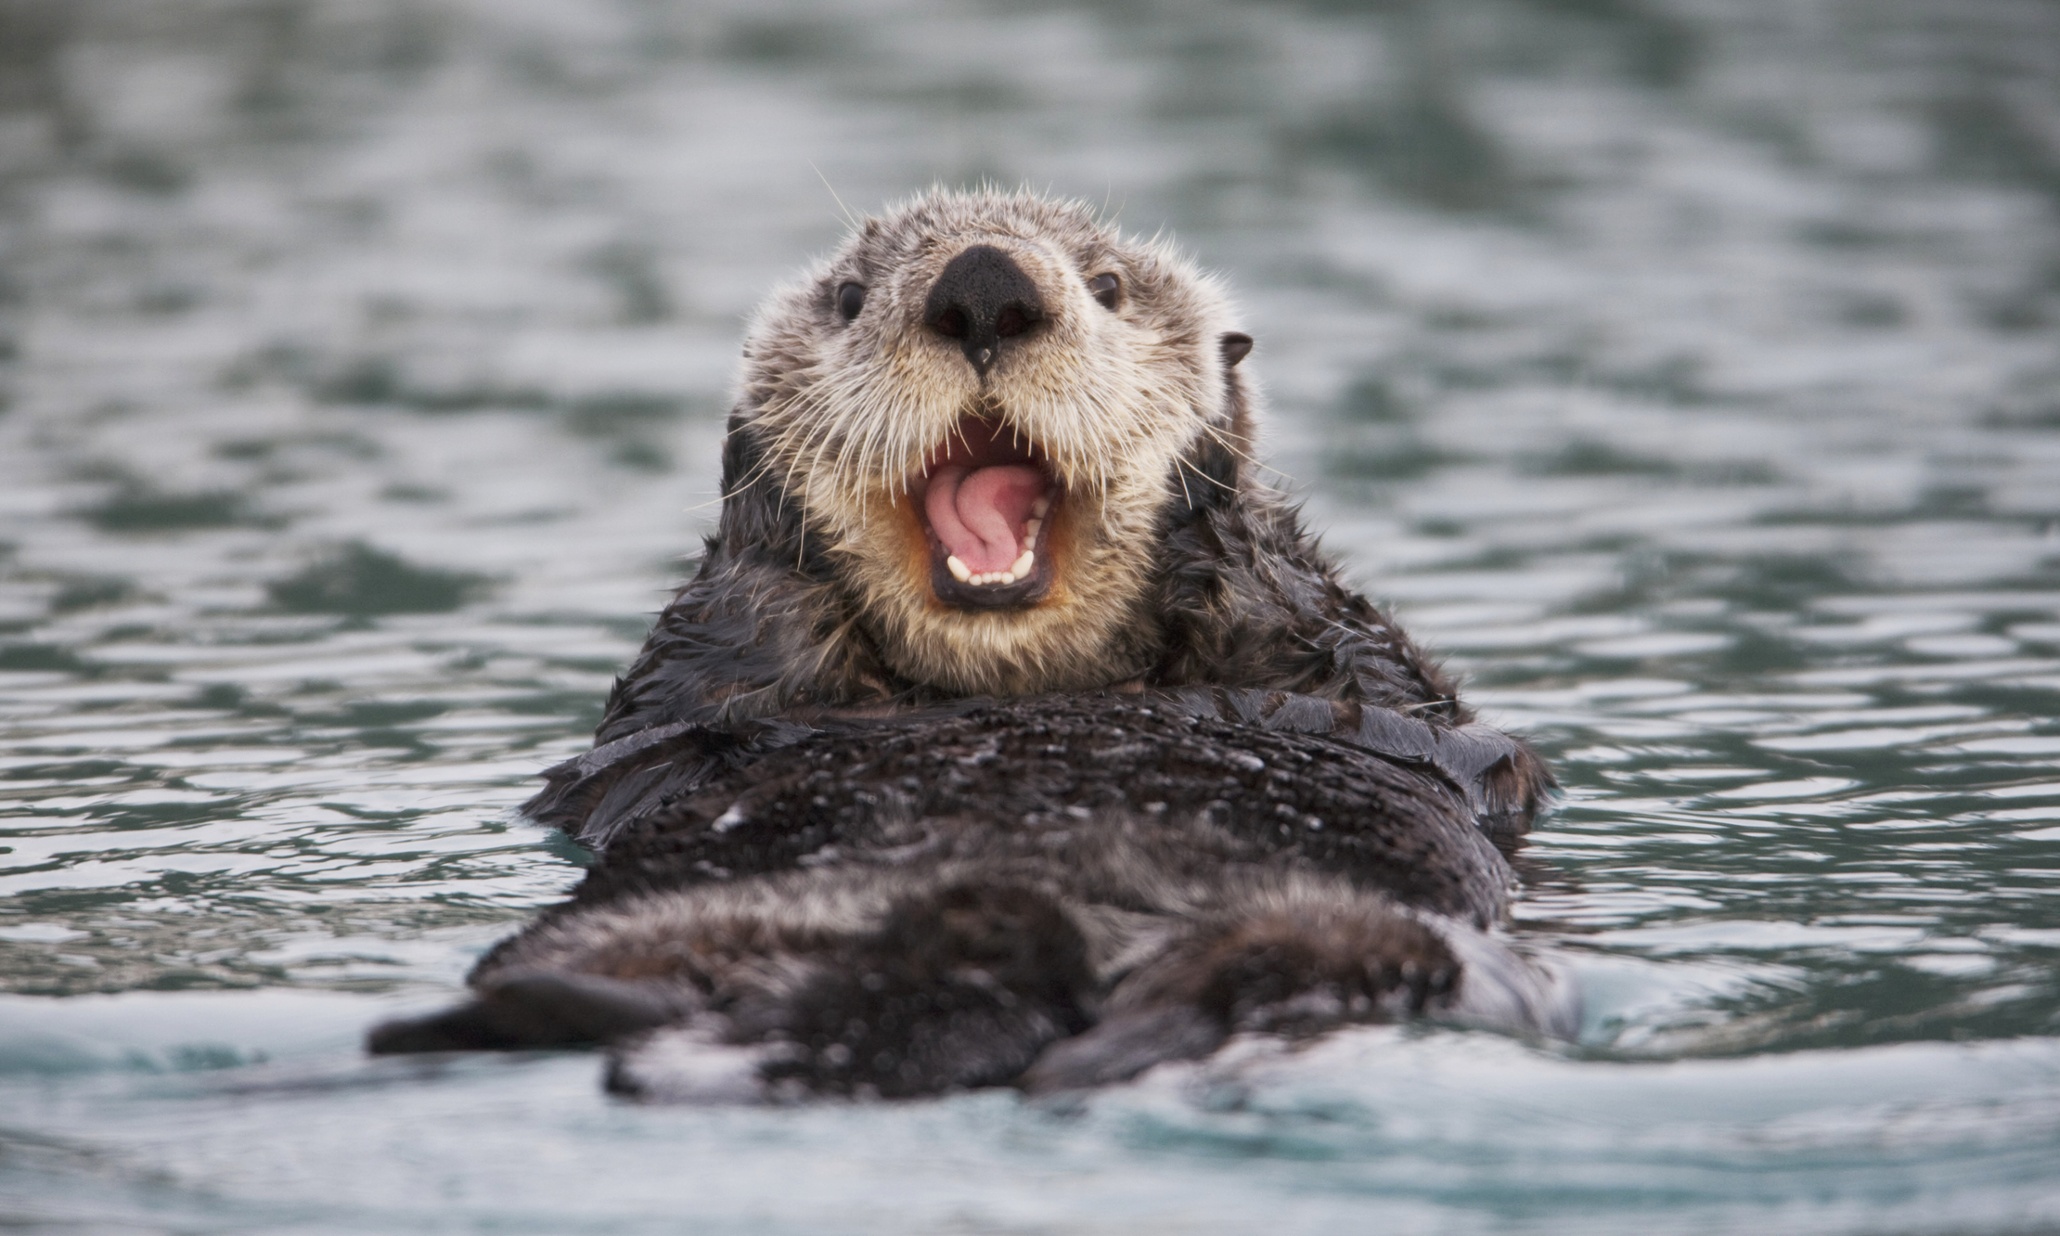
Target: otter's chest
[1103,803]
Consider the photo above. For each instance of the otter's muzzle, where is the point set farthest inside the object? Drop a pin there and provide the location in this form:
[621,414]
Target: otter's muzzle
[982,298]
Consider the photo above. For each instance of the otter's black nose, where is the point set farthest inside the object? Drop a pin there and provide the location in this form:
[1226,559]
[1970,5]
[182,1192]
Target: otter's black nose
[982,298]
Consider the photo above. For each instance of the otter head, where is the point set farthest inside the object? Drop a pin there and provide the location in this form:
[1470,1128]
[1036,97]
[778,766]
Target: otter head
[983,406]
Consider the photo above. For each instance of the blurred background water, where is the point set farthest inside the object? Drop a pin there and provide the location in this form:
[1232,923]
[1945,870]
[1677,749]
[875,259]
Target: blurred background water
[1687,371]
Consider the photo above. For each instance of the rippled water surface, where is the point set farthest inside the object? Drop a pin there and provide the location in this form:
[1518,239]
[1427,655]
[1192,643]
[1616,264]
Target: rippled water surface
[1687,372]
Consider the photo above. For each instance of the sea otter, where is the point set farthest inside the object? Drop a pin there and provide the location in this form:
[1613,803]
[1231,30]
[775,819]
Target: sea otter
[1013,729]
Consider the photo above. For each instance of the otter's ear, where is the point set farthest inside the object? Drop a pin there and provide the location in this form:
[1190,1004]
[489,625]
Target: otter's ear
[1236,346]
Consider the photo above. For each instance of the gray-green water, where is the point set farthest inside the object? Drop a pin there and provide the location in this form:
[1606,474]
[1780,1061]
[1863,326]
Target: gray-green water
[1689,372]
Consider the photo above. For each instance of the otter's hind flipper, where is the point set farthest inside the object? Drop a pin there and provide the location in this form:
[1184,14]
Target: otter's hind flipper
[1124,1046]
[533,1009]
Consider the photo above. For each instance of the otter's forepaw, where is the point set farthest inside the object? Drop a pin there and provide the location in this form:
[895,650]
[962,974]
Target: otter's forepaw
[959,988]
[1292,972]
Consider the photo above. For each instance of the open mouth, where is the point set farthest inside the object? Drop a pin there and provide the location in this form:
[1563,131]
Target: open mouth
[987,502]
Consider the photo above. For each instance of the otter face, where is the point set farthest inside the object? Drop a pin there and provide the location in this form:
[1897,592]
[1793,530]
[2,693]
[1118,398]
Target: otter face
[981,405]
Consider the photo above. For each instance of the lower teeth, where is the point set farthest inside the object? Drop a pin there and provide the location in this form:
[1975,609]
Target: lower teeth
[1019,569]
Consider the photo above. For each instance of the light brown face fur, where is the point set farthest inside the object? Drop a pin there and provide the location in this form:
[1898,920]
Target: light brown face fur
[851,413]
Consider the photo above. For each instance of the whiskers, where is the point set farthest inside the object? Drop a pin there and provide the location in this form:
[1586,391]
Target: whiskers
[840,446]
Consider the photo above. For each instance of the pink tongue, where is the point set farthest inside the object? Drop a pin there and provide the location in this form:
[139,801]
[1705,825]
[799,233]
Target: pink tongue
[979,513]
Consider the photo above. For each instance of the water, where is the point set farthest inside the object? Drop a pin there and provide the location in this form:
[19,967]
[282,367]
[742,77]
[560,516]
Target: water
[1686,371]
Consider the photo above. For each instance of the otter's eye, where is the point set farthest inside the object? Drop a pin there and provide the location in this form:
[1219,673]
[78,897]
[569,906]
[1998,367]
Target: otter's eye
[1103,288]
[850,299]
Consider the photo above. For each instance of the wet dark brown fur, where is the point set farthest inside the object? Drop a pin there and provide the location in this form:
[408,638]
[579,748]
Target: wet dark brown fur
[1055,892]
[1233,796]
